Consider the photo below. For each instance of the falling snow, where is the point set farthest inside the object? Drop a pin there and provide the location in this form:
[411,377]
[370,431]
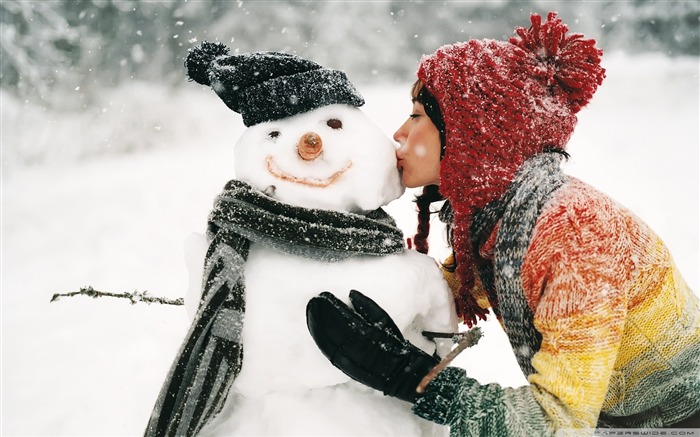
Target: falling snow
[119,220]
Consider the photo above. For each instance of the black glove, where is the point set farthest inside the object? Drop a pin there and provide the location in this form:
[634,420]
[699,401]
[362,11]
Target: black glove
[367,345]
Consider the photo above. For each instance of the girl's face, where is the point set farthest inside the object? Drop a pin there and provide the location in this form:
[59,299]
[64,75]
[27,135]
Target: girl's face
[419,155]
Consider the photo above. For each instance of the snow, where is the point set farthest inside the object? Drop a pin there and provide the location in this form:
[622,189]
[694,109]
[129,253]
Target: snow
[119,222]
[401,284]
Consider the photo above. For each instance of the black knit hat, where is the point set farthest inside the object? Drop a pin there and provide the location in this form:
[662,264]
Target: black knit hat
[266,86]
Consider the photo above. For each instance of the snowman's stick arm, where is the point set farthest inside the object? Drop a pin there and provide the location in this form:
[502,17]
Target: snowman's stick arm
[135,297]
[468,339]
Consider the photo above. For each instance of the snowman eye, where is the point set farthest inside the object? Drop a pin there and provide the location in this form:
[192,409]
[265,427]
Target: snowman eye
[334,123]
[274,134]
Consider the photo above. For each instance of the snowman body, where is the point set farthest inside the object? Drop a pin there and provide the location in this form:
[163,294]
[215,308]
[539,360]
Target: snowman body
[332,158]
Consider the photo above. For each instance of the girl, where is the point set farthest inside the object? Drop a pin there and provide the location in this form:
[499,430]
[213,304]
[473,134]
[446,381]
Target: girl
[598,316]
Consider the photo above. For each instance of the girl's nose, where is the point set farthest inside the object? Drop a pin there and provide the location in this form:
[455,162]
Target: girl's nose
[401,134]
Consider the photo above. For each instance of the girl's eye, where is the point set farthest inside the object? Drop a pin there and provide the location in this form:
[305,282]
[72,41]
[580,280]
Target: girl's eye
[334,123]
[414,115]
[274,134]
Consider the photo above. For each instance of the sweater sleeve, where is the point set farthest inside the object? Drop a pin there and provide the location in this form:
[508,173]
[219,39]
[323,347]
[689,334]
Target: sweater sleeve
[471,409]
[574,278]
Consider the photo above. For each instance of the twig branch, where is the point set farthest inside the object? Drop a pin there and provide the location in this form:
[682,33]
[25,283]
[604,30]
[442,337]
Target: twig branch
[464,340]
[135,297]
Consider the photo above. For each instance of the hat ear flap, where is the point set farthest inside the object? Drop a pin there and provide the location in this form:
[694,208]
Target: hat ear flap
[200,58]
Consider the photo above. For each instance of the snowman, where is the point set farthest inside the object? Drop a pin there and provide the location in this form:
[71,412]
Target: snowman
[303,216]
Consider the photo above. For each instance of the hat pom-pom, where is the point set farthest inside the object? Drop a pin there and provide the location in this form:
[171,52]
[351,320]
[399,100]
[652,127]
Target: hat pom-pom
[200,58]
[567,61]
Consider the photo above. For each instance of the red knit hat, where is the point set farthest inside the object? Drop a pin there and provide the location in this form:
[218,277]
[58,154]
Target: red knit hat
[502,103]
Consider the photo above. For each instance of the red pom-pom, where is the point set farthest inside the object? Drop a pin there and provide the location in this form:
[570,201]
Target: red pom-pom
[568,61]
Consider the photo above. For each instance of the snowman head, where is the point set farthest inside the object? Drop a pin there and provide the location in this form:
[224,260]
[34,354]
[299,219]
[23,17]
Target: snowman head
[307,142]
[331,157]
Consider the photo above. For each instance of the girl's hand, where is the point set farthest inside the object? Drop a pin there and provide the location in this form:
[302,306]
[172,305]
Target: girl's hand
[365,344]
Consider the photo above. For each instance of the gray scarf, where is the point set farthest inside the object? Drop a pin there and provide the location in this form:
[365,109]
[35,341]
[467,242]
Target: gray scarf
[518,210]
[211,356]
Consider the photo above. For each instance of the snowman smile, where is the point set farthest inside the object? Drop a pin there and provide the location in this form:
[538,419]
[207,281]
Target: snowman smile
[275,171]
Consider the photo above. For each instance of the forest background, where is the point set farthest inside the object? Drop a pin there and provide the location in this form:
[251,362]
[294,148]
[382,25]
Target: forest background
[63,55]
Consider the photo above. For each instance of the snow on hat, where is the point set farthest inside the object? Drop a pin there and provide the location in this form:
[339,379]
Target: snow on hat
[267,86]
[502,103]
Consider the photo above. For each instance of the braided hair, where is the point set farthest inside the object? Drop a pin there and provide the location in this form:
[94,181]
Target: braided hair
[430,193]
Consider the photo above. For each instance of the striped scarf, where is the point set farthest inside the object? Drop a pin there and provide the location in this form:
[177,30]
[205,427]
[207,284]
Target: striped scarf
[211,356]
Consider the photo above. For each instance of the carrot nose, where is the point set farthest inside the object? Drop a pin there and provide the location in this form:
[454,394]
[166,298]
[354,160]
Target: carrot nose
[310,146]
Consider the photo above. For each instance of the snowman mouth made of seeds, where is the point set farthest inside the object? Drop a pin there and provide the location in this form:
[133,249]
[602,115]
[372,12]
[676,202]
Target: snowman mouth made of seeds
[309,148]
[332,157]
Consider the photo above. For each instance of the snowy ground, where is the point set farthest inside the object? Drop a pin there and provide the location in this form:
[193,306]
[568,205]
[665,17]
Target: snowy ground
[118,223]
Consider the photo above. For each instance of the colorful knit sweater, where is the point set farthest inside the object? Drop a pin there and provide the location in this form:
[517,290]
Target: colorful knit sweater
[618,330]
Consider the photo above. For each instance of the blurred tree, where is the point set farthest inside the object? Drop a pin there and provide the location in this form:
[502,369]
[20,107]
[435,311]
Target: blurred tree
[37,47]
[51,49]
[127,39]
[648,25]
[339,41]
